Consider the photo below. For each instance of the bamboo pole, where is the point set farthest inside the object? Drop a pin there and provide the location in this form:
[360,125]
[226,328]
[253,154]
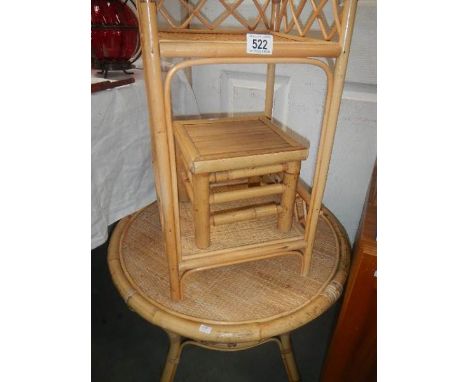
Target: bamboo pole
[161,161]
[303,191]
[327,136]
[252,160]
[227,346]
[270,80]
[289,196]
[247,193]
[219,49]
[201,209]
[245,214]
[235,182]
[187,186]
[288,357]
[185,15]
[259,248]
[241,256]
[214,118]
[183,195]
[173,356]
[270,90]
[223,176]
[243,60]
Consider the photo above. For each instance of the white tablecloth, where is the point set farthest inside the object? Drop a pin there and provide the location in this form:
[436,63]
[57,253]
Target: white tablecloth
[121,176]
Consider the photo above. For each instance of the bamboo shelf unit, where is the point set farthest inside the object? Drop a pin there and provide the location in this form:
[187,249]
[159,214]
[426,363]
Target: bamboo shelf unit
[209,32]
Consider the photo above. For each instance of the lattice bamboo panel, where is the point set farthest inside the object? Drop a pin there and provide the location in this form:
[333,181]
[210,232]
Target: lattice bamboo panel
[306,18]
[306,15]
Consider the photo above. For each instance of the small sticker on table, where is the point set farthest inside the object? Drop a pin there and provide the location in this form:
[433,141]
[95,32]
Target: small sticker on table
[259,43]
[204,329]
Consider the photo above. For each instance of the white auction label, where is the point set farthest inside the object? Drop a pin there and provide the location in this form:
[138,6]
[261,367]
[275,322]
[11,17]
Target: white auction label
[259,43]
[204,329]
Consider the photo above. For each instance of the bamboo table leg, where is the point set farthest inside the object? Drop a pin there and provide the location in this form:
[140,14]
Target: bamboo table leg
[173,357]
[177,344]
[288,357]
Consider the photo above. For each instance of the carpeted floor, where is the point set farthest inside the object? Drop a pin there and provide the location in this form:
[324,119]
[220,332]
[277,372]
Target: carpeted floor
[126,348]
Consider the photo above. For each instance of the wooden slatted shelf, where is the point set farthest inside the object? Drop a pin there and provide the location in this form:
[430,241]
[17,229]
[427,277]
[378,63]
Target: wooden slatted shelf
[214,144]
[238,241]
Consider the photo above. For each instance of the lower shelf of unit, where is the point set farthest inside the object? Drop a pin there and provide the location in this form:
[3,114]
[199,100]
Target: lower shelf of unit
[239,240]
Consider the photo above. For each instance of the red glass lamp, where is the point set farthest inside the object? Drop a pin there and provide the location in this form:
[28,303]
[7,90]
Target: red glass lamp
[115,41]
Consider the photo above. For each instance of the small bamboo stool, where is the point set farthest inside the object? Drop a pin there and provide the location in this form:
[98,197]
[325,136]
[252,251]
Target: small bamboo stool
[226,149]
[230,308]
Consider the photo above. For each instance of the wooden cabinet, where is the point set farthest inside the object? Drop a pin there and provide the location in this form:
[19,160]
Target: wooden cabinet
[352,355]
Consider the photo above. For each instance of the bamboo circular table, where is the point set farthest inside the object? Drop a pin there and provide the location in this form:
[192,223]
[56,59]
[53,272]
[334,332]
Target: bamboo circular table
[233,307]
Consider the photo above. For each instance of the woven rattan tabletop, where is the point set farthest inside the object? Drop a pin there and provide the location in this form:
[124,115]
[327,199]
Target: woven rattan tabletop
[238,303]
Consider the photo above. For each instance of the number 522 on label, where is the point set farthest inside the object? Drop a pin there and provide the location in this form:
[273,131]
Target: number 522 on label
[259,43]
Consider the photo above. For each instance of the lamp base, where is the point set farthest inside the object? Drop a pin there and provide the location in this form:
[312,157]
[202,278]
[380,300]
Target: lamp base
[105,65]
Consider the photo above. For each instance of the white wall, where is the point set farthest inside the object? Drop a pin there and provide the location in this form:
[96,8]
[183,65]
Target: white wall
[298,104]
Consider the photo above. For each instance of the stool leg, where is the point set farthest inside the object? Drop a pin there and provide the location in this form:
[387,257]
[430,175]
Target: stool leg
[173,357]
[289,195]
[183,196]
[201,209]
[288,358]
